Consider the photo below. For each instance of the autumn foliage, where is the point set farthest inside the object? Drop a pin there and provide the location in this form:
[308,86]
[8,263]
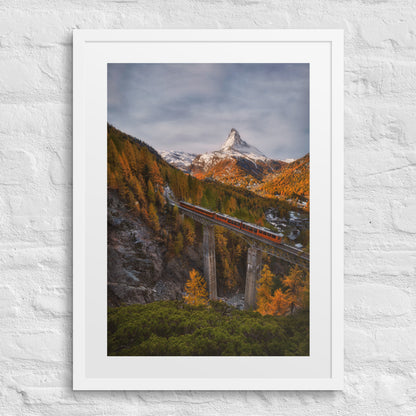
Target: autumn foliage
[264,291]
[294,294]
[292,180]
[196,293]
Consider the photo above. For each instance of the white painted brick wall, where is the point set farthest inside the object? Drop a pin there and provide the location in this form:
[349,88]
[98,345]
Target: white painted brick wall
[35,204]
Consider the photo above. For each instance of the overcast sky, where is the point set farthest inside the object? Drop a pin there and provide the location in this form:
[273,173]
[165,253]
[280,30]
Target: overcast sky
[192,107]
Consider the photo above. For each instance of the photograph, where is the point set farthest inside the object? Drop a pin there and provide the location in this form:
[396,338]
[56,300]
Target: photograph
[208,209]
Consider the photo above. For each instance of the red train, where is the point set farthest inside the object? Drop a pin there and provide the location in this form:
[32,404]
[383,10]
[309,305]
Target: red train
[234,222]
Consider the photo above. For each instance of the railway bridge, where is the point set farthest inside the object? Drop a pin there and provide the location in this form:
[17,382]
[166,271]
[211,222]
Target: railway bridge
[257,245]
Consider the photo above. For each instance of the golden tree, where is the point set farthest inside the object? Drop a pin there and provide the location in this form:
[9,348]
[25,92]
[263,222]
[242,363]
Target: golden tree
[279,303]
[124,165]
[153,218]
[151,192]
[264,291]
[129,152]
[111,179]
[196,289]
[295,283]
[155,174]
[112,154]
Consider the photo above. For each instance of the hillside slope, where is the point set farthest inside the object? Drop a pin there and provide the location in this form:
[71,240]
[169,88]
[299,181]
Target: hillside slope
[292,180]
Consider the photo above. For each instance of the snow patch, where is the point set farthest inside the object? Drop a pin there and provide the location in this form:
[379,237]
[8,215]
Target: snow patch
[181,160]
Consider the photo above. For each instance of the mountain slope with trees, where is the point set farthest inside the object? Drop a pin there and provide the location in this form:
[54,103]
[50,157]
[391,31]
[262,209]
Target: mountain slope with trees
[151,247]
[291,181]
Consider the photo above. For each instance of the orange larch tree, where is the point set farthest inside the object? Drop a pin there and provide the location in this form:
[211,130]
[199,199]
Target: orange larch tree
[196,289]
[294,282]
[264,291]
[279,303]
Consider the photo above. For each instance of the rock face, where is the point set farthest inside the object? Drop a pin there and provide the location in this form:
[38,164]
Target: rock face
[139,269]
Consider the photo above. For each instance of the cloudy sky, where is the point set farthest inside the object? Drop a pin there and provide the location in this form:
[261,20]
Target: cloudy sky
[192,107]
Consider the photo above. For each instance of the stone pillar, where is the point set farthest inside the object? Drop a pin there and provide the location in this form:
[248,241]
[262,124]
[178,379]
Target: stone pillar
[209,260]
[253,272]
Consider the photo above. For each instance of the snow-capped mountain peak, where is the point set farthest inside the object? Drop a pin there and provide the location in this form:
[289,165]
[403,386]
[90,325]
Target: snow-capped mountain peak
[236,146]
[234,140]
[235,163]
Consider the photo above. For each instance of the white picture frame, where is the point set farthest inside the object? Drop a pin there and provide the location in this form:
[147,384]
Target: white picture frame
[92,368]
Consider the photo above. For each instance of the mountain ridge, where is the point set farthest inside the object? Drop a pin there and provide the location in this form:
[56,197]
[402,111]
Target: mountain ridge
[178,159]
[241,164]
[236,163]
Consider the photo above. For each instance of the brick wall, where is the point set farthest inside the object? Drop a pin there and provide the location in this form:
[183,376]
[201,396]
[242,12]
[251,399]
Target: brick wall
[36,198]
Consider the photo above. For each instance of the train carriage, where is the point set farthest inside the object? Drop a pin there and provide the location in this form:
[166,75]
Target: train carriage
[197,209]
[261,232]
[221,217]
[234,222]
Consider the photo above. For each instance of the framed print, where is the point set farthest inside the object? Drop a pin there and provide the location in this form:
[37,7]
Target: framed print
[208,210]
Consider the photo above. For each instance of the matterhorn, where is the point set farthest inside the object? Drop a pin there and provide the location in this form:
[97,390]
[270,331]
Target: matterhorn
[236,162]
[236,146]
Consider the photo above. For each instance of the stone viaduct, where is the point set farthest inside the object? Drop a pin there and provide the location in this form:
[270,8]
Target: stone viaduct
[257,245]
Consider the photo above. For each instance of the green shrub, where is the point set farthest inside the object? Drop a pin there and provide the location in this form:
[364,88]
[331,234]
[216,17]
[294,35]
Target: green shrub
[175,328]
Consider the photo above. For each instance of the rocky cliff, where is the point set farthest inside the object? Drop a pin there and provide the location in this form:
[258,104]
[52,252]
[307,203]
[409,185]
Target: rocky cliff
[139,267]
